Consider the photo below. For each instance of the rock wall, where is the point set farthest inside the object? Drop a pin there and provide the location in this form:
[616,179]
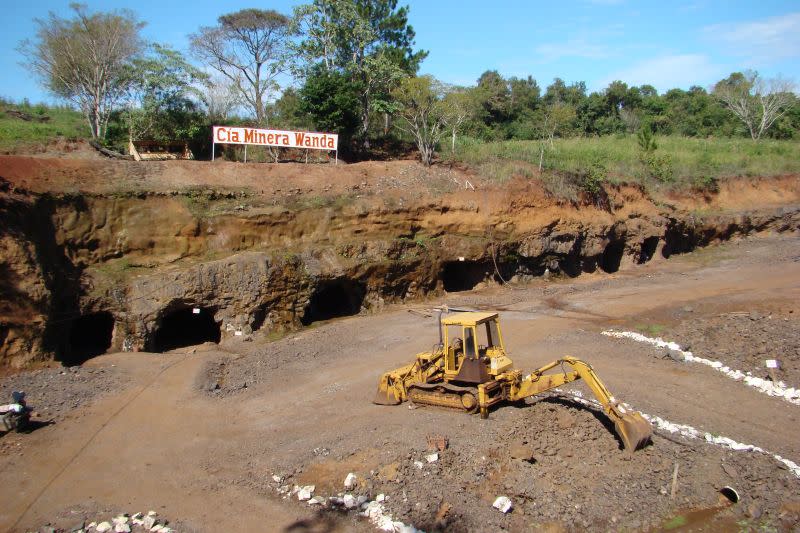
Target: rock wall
[145,259]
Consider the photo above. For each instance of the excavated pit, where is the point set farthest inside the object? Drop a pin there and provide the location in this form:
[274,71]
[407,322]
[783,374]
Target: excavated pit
[185,327]
[269,263]
[334,299]
[89,336]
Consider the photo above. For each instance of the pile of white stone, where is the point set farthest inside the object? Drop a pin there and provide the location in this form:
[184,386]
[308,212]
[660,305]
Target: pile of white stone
[126,523]
[347,501]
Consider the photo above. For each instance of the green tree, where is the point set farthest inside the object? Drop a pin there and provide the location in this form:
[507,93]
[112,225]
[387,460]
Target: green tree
[331,100]
[161,88]
[424,113]
[251,48]
[86,59]
[756,101]
[553,119]
[368,40]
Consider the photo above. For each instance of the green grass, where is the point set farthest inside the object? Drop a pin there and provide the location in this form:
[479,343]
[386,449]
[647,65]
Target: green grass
[692,162]
[675,523]
[653,330]
[47,123]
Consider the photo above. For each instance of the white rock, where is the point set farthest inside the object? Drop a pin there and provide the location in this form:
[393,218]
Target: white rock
[503,504]
[316,500]
[418,464]
[350,501]
[380,498]
[305,493]
[277,479]
[137,516]
[432,458]
[350,481]
[121,519]
[102,527]
[152,513]
[119,527]
[149,521]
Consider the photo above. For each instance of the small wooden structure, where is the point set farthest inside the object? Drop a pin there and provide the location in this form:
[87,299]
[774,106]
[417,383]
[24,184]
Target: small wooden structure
[159,151]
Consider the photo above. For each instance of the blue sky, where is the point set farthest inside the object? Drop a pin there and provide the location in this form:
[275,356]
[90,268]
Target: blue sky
[667,44]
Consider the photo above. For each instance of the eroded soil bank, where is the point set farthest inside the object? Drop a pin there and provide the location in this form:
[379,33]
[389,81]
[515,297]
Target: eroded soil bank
[101,255]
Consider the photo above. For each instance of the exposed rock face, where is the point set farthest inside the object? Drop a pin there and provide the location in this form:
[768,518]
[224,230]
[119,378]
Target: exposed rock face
[153,261]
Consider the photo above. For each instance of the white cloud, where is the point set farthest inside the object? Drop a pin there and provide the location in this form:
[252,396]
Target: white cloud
[764,40]
[548,52]
[667,72]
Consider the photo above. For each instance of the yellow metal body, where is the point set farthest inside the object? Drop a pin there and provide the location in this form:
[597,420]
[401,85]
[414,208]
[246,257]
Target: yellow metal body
[473,373]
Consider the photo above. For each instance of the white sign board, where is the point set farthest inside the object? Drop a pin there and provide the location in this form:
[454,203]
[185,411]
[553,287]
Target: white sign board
[280,138]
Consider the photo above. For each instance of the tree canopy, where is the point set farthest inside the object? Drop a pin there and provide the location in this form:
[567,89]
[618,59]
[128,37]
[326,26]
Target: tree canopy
[86,59]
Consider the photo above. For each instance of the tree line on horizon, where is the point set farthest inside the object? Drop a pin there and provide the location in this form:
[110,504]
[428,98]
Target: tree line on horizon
[353,70]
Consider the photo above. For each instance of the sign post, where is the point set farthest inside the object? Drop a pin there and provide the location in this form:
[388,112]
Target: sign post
[279,138]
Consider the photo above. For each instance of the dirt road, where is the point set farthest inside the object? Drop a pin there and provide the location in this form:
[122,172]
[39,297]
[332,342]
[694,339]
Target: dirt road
[198,436]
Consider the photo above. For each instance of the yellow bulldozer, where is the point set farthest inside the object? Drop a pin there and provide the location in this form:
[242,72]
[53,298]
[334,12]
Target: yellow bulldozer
[469,370]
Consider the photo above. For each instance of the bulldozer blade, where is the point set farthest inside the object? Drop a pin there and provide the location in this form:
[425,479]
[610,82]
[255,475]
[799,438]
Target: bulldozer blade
[385,397]
[634,431]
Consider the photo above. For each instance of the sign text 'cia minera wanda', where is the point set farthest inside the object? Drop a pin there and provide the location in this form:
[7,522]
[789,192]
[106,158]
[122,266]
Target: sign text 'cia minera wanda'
[280,138]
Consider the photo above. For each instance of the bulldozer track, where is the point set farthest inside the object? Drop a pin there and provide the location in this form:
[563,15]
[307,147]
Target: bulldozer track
[463,399]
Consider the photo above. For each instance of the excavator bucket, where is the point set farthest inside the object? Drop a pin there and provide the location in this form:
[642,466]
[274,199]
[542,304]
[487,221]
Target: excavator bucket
[385,396]
[387,393]
[634,430]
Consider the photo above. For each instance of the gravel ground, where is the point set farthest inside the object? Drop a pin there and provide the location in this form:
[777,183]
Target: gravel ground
[744,340]
[54,392]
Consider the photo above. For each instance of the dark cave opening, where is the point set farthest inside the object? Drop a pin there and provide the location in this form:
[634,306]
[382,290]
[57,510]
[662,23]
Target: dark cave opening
[612,256]
[185,327]
[460,276]
[649,247]
[332,299]
[89,336]
[677,242]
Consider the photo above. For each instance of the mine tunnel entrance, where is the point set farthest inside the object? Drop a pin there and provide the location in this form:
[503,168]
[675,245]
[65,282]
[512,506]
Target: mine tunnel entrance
[676,242]
[334,298]
[185,327]
[612,256]
[460,276]
[649,247]
[89,336]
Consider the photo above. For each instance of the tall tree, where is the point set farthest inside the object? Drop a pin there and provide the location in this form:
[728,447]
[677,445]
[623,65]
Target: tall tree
[251,48]
[86,59]
[424,113]
[369,40]
[756,101]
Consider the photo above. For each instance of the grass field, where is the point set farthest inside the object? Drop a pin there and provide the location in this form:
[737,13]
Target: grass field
[678,162]
[44,124]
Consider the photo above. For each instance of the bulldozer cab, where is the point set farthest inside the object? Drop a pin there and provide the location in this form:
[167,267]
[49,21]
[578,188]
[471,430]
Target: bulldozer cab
[474,347]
